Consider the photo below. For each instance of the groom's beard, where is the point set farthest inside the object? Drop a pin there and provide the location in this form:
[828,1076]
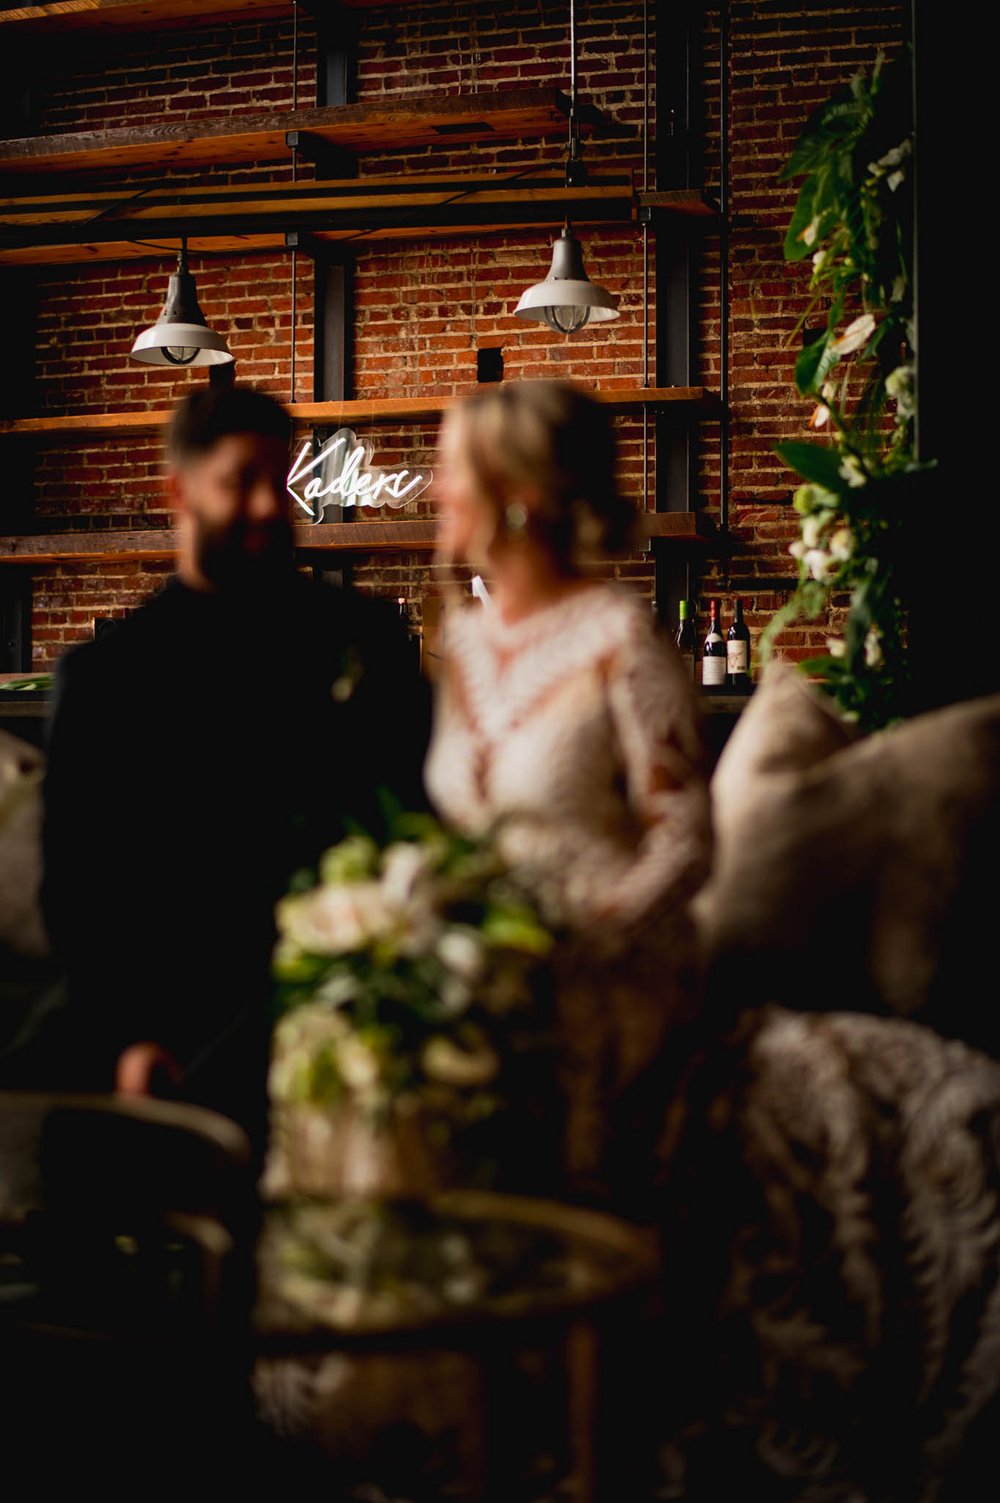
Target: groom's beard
[245,557]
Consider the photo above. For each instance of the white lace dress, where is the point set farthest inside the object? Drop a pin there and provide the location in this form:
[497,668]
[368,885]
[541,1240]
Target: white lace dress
[575,730]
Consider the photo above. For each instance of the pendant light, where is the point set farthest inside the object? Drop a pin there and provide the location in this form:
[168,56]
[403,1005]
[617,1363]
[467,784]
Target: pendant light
[180,335]
[568,299]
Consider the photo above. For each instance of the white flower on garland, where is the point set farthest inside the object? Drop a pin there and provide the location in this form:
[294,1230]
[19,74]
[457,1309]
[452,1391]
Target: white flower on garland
[855,336]
[899,384]
[852,470]
[841,544]
[873,647]
[820,565]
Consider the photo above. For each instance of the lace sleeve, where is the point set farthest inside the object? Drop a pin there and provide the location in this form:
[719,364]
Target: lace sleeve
[656,723]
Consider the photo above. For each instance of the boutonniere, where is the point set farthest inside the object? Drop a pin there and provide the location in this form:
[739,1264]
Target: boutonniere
[352,671]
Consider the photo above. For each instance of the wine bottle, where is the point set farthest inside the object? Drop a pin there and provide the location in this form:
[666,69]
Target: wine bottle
[713,654]
[738,651]
[412,638]
[685,640]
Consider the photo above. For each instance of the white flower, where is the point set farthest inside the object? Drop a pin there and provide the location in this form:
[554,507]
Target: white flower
[836,647]
[810,232]
[852,471]
[820,417]
[812,529]
[818,258]
[897,155]
[299,1037]
[797,549]
[451,1064]
[899,384]
[841,544]
[334,920]
[359,1065]
[820,565]
[829,391]
[893,181]
[462,951]
[402,867]
[873,647]
[855,335]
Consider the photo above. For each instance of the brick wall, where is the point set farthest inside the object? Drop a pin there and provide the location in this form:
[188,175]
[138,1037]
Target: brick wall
[424,308]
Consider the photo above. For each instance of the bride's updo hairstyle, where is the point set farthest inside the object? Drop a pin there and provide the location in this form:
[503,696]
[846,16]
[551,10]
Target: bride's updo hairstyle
[543,454]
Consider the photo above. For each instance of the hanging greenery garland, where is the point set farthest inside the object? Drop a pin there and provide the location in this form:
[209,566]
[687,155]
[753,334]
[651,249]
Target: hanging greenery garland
[854,218]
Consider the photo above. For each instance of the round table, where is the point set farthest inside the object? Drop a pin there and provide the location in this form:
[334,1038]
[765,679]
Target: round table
[378,1323]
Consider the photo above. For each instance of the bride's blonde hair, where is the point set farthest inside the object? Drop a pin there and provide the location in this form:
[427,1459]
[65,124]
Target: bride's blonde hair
[551,443]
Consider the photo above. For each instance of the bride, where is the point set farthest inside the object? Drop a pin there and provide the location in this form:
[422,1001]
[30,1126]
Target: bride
[566,719]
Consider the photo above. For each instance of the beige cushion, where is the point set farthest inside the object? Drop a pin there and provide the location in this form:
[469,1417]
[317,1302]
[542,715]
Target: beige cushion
[857,874]
[21,770]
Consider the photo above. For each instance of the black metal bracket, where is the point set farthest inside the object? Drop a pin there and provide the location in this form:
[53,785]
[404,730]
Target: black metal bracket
[330,161]
[306,244]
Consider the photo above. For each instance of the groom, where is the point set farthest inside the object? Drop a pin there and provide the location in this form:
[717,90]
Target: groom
[202,752]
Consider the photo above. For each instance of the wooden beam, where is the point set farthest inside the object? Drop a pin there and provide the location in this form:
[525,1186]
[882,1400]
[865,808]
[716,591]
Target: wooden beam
[409,120]
[116,15]
[358,537]
[326,414]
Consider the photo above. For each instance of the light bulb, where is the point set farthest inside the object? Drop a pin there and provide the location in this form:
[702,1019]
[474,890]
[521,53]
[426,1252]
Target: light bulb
[566,318]
[179,354]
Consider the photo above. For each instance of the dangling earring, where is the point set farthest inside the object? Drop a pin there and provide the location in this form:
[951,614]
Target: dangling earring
[515,516]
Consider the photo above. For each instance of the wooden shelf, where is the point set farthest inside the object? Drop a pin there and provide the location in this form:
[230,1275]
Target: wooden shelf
[135,15]
[329,414]
[375,125]
[65,228]
[356,537]
[690,202]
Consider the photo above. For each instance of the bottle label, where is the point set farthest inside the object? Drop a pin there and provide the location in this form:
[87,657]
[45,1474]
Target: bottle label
[713,672]
[738,657]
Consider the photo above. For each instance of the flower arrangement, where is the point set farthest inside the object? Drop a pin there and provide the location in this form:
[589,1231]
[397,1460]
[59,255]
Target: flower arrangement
[854,218]
[408,970]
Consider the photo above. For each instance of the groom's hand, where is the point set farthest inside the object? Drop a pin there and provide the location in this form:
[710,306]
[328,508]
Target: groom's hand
[146,1069]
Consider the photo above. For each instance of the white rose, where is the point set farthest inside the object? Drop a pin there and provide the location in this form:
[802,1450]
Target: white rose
[402,867]
[334,920]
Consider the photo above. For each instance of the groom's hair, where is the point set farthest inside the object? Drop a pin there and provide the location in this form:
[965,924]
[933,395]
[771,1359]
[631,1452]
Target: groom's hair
[215,412]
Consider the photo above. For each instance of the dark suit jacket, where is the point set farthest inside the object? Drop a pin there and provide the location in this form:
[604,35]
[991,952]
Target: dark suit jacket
[200,754]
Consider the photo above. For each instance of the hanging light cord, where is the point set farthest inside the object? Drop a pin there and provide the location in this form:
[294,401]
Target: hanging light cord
[295,175]
[645,254]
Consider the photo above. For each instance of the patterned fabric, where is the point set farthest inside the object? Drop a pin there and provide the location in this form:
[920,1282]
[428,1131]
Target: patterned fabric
[832,1246]
[575,732]
[577,728]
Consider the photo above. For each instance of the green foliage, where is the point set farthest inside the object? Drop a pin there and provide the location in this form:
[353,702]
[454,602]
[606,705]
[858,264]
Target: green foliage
[854,217]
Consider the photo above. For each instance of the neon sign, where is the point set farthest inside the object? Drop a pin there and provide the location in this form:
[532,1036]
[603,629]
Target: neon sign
[341,474]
